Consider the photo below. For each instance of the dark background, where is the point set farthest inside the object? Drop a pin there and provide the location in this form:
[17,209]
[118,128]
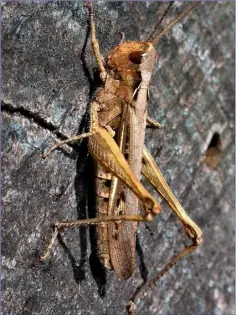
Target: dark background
[46,87]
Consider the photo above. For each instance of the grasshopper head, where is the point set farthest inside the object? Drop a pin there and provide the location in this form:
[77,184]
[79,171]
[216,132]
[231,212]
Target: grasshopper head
[131,58]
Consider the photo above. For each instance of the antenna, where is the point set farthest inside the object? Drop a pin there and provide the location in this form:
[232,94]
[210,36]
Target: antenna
[173,22]
[161,19]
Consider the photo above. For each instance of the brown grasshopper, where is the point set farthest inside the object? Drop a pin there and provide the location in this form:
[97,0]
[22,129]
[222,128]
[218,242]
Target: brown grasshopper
[118,118]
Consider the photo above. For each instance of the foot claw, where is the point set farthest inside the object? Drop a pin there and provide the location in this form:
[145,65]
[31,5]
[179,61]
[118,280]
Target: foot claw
[42,258]
[130,308]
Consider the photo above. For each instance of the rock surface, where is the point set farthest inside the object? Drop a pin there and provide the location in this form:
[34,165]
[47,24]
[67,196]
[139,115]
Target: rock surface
[47,83]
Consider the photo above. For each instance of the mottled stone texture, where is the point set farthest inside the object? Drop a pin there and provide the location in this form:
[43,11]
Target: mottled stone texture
[47,83]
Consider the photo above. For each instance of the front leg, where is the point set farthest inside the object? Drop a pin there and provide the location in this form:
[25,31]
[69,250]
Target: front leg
[92,128]
[95,45]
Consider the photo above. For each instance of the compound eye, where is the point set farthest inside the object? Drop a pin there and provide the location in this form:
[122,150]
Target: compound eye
[137,57]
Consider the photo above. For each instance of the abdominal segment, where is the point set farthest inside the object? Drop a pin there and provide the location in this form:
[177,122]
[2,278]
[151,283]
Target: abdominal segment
[103,184]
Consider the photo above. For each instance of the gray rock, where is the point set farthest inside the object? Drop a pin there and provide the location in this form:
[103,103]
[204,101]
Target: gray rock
[47,83]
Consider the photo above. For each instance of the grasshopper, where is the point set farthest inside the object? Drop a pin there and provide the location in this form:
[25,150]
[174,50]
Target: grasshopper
[118,118]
